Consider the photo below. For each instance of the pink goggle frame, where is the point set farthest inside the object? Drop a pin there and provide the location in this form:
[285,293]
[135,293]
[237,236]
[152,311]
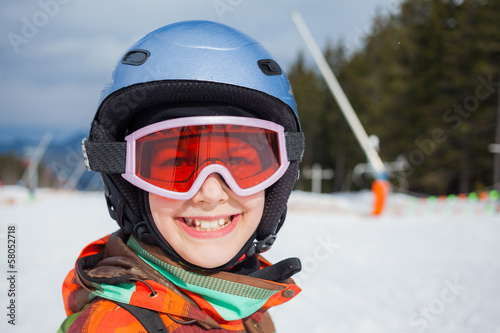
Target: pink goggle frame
[131,172]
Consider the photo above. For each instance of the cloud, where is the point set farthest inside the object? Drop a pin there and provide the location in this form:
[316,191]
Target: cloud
[58,105]
[56,75]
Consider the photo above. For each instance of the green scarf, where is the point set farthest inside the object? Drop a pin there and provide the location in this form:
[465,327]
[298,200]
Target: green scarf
[230,299]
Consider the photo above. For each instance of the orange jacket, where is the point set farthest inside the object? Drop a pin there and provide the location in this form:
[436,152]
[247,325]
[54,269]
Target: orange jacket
[108,270]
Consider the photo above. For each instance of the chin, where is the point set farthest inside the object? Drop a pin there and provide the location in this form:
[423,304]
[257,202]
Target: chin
[209,262]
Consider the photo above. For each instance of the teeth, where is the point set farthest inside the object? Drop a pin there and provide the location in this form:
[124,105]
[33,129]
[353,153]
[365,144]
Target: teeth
[202,225]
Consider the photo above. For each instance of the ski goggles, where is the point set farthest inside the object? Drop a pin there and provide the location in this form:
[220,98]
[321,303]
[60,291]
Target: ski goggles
[173,158]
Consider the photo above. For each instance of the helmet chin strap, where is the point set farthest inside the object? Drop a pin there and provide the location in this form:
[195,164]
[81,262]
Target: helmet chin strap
[144,228]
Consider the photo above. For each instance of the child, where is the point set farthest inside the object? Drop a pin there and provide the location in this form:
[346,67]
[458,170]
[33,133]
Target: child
[198,143]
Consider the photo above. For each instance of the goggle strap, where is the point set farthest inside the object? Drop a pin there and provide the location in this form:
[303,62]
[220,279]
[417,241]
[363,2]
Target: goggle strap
[105,157]
[295,145]
[110,157]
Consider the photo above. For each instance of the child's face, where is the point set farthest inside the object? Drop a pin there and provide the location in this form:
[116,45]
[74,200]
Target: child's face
[209,229]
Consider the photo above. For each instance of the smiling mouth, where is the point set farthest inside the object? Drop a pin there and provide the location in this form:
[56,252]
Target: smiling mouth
[213,225]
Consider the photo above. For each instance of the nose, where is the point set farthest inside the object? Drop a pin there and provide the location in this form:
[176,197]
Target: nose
[213,191]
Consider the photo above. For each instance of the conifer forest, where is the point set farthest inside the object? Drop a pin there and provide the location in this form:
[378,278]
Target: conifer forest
[425,81]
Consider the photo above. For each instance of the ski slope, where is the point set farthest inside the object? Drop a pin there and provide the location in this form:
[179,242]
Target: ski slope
[406,271]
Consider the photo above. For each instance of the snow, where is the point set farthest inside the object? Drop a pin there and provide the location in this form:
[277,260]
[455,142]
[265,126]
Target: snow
[416,268]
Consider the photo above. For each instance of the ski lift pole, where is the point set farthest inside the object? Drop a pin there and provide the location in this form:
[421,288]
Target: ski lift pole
[380,186]
[30,175]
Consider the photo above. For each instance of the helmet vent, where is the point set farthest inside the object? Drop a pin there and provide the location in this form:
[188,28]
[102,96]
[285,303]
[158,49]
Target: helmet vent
[269,67]
[135,57]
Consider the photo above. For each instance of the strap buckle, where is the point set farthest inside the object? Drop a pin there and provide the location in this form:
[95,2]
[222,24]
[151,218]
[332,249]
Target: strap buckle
[85,157]
[265,244]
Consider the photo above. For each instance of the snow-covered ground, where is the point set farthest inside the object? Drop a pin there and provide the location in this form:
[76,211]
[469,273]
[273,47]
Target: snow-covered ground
[414,269]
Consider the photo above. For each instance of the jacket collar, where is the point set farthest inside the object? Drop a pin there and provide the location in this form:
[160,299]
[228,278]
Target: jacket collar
[109,268]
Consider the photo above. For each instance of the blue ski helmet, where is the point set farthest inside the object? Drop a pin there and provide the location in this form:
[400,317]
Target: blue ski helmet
[186,69]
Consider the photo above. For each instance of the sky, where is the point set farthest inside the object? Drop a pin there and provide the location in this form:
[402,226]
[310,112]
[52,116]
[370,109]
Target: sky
[56,55]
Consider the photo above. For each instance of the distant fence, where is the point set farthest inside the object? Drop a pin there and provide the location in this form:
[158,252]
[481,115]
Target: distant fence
[475,203]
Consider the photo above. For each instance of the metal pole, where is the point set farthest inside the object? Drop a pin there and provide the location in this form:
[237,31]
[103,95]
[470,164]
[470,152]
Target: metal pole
[339,95]
[496,160]
[30,174]
[73,180]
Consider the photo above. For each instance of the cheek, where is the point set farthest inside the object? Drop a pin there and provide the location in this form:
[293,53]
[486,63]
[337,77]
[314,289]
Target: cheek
[255,207]
[162,209]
